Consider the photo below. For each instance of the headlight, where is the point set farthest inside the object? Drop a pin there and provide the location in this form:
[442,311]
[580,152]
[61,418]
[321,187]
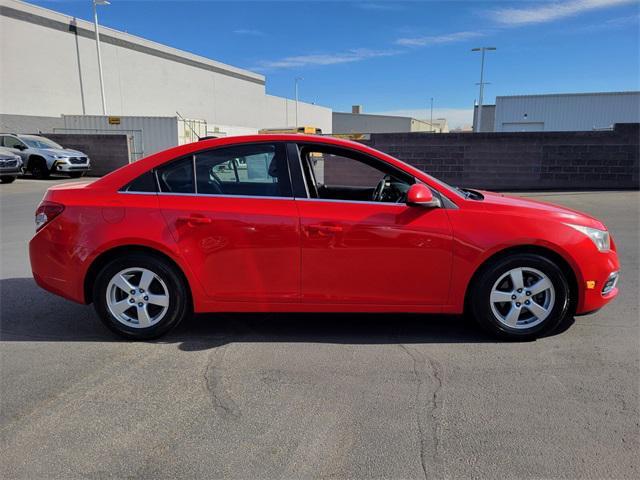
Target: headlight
[600,238]
[61,159]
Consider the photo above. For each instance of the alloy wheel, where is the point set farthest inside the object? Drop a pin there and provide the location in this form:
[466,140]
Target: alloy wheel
[137,297]
[522,298]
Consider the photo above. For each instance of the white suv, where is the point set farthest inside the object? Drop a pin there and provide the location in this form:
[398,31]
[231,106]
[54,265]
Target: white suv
[43,157]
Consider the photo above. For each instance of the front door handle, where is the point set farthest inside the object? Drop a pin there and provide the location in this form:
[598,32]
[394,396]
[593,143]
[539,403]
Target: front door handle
[194,221]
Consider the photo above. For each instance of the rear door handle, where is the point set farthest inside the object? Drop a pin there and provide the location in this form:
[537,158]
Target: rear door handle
[322,229]
[194,221]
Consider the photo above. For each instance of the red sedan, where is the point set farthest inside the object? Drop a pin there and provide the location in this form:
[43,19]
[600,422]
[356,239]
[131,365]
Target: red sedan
[292,223]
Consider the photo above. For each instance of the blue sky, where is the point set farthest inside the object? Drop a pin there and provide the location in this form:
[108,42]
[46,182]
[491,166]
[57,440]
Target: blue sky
[392,56]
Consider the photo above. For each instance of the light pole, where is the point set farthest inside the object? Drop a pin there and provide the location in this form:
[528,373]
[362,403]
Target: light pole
[95,24]
[297,79]
[431,122]
[481,50]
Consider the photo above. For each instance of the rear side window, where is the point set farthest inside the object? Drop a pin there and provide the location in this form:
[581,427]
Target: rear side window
[177,176]
[244,170]
[11,142]
[144,183]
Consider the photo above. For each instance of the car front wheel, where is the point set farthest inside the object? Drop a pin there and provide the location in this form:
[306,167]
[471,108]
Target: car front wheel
[140,296]
[7,179]
[520,297]
[38,168]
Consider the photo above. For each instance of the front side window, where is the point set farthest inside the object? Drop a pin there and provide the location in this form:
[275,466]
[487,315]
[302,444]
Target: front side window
[40,142]
[338,174]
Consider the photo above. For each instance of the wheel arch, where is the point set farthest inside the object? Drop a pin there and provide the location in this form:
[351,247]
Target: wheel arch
[33,158]
[543,251]
[105,257]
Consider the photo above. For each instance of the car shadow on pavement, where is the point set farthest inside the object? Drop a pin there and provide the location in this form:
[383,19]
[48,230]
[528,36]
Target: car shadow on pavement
[28,313]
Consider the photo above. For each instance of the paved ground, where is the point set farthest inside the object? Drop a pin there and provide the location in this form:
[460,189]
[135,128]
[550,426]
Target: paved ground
[315,396]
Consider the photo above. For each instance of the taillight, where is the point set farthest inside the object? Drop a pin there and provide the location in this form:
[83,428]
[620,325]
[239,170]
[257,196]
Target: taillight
[46,212]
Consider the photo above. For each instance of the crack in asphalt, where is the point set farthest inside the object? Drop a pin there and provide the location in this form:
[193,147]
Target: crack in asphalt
[427,411]
[220,400]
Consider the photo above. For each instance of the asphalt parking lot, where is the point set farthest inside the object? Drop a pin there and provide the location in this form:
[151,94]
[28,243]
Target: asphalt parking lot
[332,396]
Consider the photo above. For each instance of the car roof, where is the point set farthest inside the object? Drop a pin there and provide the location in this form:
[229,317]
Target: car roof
[129,172]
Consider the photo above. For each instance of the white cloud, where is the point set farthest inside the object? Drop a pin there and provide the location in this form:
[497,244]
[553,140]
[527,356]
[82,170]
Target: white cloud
[456,117]
[381,7]
[249,31]
[437,39]
[349,56]
[549,12]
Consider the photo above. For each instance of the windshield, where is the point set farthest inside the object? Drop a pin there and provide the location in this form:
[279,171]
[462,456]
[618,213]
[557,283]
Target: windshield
[39,142]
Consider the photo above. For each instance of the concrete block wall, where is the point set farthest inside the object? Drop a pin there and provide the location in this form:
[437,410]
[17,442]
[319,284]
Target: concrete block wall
[107,152]
[523,161]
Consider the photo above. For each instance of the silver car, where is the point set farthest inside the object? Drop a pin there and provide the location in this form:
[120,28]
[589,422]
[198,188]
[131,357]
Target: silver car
[10,166]
[43,157]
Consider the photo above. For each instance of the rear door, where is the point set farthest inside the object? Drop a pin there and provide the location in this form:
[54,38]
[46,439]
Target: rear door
[233,215]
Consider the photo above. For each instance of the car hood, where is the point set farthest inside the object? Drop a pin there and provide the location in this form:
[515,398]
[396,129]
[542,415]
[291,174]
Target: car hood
[535,208]
[65,152]
[8,154]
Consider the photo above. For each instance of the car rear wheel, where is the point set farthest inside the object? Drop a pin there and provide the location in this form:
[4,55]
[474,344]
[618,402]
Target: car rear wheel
[7,179]
[140,296]
[38,168]
[520,297]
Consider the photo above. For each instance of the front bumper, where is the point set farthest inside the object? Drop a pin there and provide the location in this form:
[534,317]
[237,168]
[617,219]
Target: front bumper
[71,167]
[597,288]
[11,171]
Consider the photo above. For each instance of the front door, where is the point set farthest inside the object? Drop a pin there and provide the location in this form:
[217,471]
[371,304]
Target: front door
[361,244]
[233,216]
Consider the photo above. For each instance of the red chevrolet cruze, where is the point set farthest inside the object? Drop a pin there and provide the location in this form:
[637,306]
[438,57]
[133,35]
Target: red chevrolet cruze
[292,223]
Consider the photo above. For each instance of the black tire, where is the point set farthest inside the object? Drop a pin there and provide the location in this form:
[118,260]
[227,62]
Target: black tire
[7,179]
[75,174]
[38,168]
[178,305]
[481,308]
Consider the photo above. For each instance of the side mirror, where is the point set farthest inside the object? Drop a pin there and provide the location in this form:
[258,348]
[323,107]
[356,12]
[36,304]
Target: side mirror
[420,195]
[20,147]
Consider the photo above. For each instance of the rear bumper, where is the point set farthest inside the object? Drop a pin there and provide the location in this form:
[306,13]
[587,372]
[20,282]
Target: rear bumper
[58,268]
[595,274]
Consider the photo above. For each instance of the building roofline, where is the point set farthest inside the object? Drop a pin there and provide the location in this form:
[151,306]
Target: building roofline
[629,92]
[44,17]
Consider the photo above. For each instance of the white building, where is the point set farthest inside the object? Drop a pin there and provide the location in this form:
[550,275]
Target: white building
[560,112]
[358,122]
[50,68]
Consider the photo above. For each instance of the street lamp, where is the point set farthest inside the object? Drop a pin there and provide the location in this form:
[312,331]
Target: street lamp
[482,83]
[297,79]
[431,115]
[95,24]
